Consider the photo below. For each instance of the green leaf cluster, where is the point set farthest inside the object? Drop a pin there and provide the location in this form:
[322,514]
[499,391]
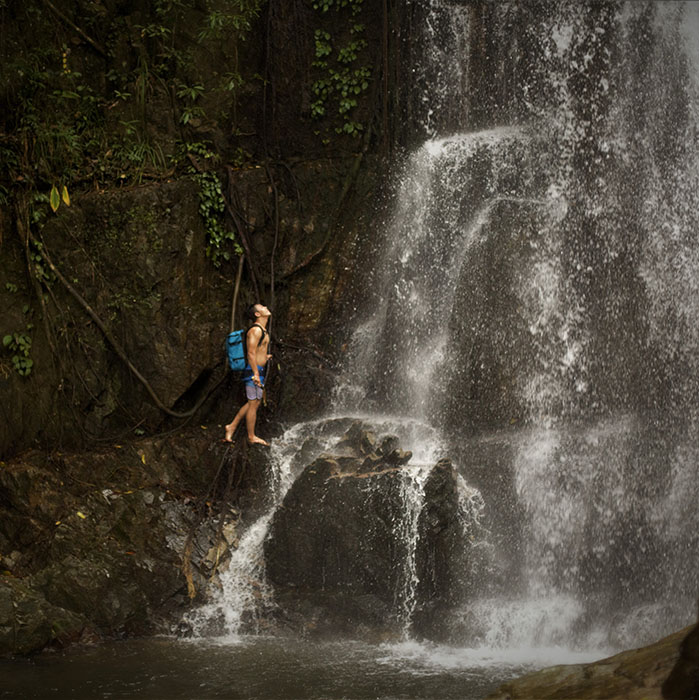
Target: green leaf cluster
[19,344]
[325,5]
[343,78]
[66,127]
[41,270]
[220,239]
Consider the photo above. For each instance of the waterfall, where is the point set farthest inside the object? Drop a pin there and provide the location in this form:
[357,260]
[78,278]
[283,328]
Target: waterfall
[243,597]
[537,283]
[412,495]
[535,315]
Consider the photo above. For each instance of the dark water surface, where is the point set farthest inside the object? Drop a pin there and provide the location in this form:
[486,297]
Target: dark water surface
[273,669]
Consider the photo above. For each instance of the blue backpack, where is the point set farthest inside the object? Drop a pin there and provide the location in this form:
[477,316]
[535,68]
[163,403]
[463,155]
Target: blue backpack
[236,348]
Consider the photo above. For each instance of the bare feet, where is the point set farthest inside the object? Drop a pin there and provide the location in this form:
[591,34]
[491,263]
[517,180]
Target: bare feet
[258,441]
[230,429]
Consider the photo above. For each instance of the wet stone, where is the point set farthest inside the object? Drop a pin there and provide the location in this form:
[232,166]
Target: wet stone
[337,554]
[388,444]
[372,462]
[398,457]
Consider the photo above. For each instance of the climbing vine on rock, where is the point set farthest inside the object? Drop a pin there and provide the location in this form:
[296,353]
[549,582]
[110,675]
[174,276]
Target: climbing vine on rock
[19,345]
[220,239]
[343,77]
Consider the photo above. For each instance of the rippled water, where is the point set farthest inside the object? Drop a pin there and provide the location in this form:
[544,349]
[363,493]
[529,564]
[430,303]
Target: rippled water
[268,668]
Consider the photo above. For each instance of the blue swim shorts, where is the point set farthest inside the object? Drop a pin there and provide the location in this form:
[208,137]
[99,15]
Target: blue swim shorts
[252,391]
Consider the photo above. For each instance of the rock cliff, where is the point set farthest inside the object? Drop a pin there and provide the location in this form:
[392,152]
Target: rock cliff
[117,542]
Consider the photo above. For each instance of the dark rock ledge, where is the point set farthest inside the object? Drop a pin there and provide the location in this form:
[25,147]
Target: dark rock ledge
[117,542]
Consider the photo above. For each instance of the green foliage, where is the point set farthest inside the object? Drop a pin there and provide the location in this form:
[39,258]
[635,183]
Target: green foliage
[19,344]
[41,270]
[211,206]
[323,46]
[234,15]
[342,81]
[57,115]
[65,128]
[190,95]
[325,5]
[61,127]
[55,198]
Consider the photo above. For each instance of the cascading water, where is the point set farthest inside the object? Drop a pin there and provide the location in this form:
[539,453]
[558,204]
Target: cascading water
[538,284]
[244,596]
[534,314]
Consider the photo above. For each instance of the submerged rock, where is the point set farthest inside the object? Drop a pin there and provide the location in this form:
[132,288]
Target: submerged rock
[344,548]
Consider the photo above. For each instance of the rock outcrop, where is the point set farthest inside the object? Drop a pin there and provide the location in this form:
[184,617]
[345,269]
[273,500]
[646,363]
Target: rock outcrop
[117,542]
[632,675]
[358,543]
[683,681]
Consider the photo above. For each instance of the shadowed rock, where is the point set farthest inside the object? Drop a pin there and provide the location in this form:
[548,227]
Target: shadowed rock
[123,556]
[338,548]
[683,681]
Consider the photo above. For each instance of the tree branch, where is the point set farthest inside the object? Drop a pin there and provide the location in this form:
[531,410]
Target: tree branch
[75,27]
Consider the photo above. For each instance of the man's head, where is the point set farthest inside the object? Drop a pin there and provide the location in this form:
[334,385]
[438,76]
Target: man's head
[255,311]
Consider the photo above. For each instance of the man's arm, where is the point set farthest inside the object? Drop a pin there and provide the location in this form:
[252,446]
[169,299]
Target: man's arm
[253,340]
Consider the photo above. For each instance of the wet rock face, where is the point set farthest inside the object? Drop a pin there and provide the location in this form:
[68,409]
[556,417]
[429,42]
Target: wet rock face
[342,550]
[683,681]
[29,622]
[126,552]
[154,288]
[440,554]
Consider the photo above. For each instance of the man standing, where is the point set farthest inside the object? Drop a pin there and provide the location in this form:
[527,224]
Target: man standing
[256,344]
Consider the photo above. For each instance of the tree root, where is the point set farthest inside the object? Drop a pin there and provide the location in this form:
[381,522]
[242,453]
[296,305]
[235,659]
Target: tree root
[115,344]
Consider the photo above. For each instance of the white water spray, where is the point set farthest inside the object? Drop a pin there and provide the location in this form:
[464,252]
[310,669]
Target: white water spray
[561,257]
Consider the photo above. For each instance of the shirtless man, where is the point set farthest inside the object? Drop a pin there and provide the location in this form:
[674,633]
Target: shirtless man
[257,342]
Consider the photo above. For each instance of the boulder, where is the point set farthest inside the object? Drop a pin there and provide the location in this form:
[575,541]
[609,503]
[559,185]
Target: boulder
[683,681]
[632,675]
[340,548]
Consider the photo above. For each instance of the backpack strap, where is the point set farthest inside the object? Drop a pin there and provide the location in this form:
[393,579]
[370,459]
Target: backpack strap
[264,331]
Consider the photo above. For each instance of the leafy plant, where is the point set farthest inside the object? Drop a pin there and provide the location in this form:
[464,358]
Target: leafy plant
[190,94]
[55,198]
[212,206]
[41,269]
[238,16]
[325,5]
[20,345]
[341,82]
